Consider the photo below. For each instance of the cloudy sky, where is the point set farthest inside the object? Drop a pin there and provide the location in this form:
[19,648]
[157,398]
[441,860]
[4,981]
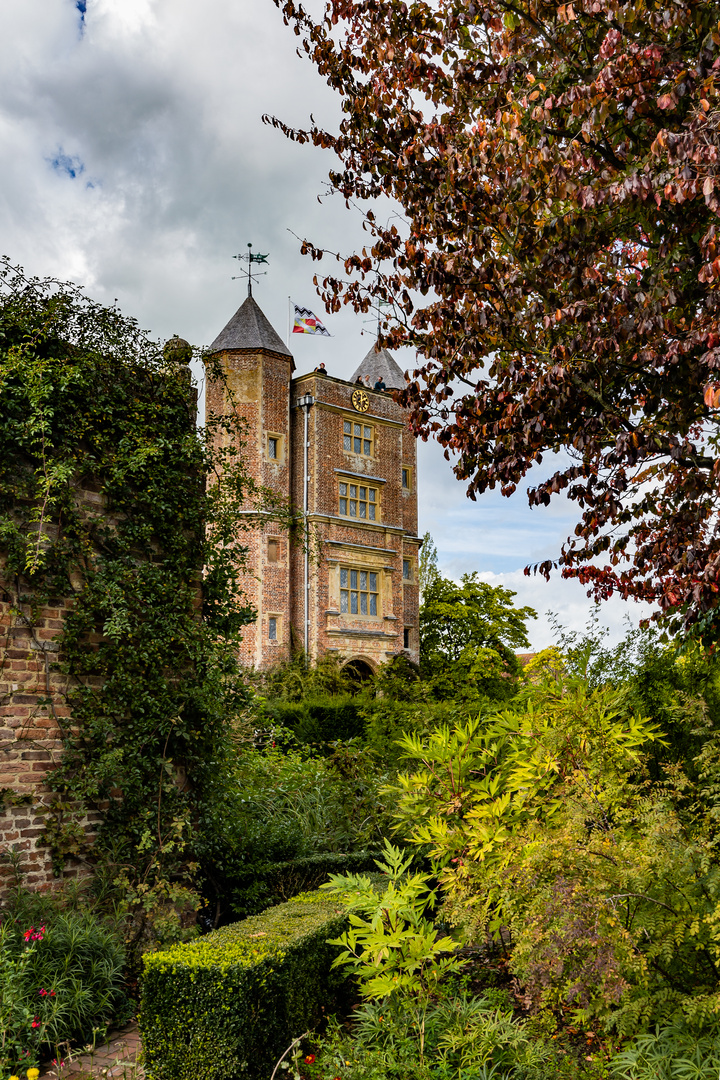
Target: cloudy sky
[136,163]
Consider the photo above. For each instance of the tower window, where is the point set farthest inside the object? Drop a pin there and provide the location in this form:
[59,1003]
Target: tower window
[358,501]
[272,628]
[406,478]
[358,592]
[407,570]
[357,438]
[272,551]
[406,638]
[273,448]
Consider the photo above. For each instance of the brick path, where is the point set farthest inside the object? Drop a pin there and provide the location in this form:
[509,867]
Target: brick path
[117,1057]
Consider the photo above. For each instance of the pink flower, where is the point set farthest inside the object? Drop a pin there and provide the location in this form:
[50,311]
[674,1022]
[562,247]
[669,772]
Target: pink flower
[35,1023]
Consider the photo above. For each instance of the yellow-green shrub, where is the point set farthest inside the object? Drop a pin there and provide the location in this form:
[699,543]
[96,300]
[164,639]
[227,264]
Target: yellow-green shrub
[228,1004]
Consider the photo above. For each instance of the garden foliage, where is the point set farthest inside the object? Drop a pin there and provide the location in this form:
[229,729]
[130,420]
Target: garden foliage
[417,1017]
[546,821]
[469,634]
[60,979]
[280,807]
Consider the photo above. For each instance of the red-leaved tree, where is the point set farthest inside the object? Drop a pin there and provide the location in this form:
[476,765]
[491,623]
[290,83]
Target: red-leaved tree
[557,178]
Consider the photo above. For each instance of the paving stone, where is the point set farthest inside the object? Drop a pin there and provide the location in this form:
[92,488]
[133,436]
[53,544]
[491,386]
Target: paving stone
[116,1058]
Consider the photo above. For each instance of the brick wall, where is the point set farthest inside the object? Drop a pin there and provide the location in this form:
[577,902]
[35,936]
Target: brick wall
[33,710]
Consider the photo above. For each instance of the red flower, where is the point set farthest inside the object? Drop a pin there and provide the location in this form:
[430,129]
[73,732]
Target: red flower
[310,1059]
[35,1023]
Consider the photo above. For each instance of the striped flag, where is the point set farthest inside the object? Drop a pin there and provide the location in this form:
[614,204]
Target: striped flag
[307,323]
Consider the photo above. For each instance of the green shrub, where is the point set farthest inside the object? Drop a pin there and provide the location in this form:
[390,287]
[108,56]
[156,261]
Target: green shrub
[669,1053]
[465,1038]
[317,719]
[82,959]
[287,806]
[61,982]
[228,1004]
[259,887]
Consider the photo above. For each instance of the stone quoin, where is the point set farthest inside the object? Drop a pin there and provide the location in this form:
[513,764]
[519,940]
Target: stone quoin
[342,454]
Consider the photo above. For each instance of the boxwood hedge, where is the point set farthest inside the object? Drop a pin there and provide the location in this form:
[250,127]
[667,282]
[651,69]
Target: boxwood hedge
[228,1004]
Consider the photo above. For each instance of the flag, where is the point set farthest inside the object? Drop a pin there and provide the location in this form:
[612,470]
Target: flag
[307,323]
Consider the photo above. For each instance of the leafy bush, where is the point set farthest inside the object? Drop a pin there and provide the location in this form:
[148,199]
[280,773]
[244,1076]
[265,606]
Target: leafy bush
[546,821]
[670,1053]
[228,1004]
[295,680]
[415,1021]
[316,719]
[60,979]
[287,806]
[465,1038]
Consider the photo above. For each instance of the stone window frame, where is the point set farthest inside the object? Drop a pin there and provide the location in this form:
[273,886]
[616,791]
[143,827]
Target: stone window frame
[408,577]
[275,619]
[409,470]
[350,569]
[279,439]
[354,421]
[276,541]
[372,506]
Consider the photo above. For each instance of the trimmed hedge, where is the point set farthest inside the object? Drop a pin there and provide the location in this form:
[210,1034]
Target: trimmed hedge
[227,1005]
[321,719]
[257,887]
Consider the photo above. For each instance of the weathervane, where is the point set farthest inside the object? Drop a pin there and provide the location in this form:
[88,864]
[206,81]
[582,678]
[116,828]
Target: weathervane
[250,258]
[381,304]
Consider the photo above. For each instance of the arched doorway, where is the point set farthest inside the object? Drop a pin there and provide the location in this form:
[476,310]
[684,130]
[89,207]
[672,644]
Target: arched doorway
[358,670]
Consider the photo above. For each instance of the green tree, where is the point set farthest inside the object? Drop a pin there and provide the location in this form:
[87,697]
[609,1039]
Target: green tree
[427,564]
[468,634]
[556,262]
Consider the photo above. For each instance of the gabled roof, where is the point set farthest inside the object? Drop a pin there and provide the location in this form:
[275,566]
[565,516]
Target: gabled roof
[249,329]
[379,364]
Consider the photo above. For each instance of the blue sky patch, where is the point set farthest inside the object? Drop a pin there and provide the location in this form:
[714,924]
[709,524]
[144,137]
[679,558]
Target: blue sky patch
[81,5]
[66,165]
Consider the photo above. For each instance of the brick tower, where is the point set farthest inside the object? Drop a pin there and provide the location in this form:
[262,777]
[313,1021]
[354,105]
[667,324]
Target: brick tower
[342,453]
[258,367]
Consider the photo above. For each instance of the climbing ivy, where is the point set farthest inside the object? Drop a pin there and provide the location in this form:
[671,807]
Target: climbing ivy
[111,495]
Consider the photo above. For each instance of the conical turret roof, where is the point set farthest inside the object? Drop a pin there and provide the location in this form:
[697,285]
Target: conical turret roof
[250,329]
[379,364]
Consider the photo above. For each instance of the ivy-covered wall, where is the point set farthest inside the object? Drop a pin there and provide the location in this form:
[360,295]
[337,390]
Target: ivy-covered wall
[120,609]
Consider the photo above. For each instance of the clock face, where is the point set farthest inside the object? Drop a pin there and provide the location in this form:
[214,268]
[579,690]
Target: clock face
[360,401]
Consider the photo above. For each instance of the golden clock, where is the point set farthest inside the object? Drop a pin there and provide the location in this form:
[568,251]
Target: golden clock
[360,401]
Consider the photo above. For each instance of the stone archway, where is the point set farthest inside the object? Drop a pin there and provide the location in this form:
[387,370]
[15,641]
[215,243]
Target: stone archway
[359,670]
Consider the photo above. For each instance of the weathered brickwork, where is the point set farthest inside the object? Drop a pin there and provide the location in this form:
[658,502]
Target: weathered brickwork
[256,384]
[382,543]
[33,711]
